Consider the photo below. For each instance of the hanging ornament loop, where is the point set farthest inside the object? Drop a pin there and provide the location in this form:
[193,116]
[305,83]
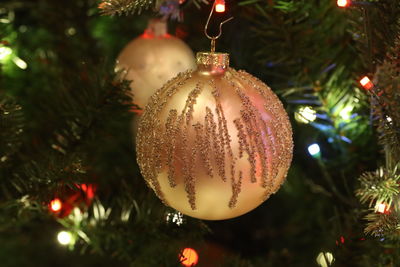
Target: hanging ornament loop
[214,38]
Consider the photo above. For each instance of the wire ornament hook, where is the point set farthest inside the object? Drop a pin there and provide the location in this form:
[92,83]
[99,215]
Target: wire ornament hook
[214,38]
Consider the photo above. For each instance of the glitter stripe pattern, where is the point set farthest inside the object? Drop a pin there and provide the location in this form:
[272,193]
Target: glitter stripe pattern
[203,126]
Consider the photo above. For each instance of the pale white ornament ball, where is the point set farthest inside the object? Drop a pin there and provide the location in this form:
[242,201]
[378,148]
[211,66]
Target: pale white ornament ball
[152,59]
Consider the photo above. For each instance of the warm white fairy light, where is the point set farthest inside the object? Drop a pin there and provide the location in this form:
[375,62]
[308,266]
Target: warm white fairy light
[314,150]
[20,63]
[325,259]
[381,207]
[345,113]
[305,114]
[5,21]
[4,52]
[343,3]
[64,238]
[71,31]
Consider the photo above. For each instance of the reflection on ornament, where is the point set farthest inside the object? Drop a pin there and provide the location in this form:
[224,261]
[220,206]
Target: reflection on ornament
[214,143]
[152,59]
[175,217]
[189,257]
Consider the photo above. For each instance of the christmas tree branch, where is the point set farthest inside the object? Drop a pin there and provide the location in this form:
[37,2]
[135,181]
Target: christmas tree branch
[168,8]
[121,7]
[11,127]
[379,187]
[383,225]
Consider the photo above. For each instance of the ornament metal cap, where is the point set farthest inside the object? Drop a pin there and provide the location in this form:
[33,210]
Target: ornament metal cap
[212,62]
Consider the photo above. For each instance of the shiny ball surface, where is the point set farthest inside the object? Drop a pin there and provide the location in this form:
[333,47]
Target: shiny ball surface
[149,61]
[214,143]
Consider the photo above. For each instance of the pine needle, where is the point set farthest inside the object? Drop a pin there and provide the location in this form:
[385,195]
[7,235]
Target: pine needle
[120,7]
[379,187]
[383,225]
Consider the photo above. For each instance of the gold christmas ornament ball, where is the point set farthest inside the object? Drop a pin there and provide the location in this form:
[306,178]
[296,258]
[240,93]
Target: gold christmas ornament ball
[214,143]
[152,59]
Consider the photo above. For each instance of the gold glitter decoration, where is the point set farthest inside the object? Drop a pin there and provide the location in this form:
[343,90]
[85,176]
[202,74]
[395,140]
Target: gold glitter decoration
[213,59]
[119,7]
[214,143]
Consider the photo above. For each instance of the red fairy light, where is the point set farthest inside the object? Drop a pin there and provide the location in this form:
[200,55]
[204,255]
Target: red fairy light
[220,6]
[56,205]
[382,208]
[343,3]
[366,83]
[87,192]
[189,257]
[81,197]
[342,240]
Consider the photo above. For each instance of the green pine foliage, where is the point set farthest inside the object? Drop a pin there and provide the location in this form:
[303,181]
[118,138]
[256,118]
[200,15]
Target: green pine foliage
[119,7]
[379,187]
[382,225]
[129,7]
[66,119]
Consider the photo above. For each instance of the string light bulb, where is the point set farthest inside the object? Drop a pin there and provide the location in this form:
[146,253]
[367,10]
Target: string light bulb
[305,114]
[189,257]
[381,207]
[325,259]
[366,83]
[5,52]
[20,63]
[56,205]
[220,6]
[314,150]
[345,113]
[343,3]
[355,3]
[64,238]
